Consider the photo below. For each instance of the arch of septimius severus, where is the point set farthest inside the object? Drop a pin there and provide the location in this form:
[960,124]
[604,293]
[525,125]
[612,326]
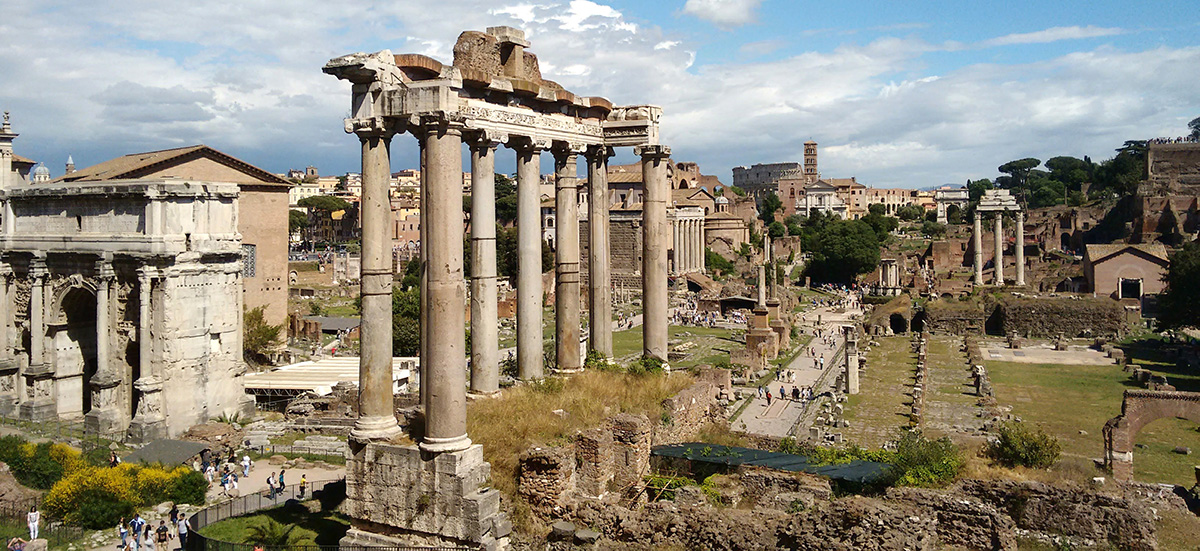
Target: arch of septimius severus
[492,94]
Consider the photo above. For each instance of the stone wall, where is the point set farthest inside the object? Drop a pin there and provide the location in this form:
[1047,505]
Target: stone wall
[955,318]
[546,474]
[1050,317]
[688,412]
[1139,408]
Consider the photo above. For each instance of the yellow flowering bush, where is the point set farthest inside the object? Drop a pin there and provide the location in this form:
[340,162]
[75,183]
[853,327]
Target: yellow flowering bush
[95,497]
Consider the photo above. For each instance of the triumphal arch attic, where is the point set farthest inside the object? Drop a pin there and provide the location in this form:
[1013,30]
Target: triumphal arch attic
[122,304]
[493,94]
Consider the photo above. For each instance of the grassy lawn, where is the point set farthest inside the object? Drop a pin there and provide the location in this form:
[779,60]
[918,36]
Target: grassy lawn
[311,523]
[627,344]
[1067,399]
[883,403]
[521,416]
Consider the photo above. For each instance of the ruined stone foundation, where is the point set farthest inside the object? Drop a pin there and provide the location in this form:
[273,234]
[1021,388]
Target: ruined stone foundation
[401,496]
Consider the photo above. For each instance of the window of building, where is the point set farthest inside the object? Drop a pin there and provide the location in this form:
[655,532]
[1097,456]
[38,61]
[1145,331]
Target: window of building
[1131,288]
[249,259]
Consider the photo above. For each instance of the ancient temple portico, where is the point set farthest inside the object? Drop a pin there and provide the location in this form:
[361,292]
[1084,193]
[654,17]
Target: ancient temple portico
[689,239]
[997,202]
[492,94]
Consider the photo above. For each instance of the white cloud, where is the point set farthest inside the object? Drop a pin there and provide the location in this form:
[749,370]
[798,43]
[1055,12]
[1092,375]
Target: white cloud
[723,13]
[666,44]
[1053,34]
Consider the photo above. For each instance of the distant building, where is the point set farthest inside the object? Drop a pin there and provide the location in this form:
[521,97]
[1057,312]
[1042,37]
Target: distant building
[762,179]
[1124,270]
[946,196]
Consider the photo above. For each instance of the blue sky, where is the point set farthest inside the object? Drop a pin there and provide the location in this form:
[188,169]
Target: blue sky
[898,94]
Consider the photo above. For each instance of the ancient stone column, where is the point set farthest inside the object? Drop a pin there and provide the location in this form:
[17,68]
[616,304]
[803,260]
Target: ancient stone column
[851,359]
[566,258]
[37,310]
[529,260]
[446,407]
[999,280]
[149,422]
[599,278]
[485,339]
[5,311]
[701,258]
[104,417]
[423,324]
[654,249]
[376,413]
[977,236]
[1020,248]
[677,246]
[104,277]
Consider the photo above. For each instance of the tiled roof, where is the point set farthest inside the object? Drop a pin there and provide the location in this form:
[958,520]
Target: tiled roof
[1098,253]
[138,164]
[19,159]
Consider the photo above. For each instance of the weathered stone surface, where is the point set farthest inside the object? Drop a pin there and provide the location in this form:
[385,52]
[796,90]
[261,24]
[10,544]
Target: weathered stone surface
[562,529]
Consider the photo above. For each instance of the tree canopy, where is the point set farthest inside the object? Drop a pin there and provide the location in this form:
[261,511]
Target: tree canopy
[842,250]
[910,213]
[1194,128]
[770,204]
[1180,303]
[296,221]
[327,203]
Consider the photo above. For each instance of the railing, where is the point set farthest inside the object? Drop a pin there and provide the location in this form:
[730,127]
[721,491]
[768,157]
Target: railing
[268,450]
[253,503]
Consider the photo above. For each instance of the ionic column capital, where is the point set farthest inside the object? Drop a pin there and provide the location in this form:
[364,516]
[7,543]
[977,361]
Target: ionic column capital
[657,151]
[563,150]
[528,144]
[484,139]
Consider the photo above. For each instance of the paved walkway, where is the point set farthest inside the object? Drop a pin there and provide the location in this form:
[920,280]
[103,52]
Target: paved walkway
[804,370]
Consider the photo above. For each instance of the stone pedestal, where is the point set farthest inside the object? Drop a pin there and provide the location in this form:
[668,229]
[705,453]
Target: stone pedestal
[148,424]
[39,405]
[440,499]
[105,416]
[761,334]
[9,376]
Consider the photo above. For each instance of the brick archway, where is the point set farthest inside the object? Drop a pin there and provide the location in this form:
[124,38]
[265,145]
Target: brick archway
[1138,409]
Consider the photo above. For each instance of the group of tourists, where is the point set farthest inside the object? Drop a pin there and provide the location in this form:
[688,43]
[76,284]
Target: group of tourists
[797,394]
[147,537]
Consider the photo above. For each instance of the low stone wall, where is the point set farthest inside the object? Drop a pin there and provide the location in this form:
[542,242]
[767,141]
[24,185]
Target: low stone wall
[964,521]
[955,318]
[1052,316]
[546,474]
[689,411]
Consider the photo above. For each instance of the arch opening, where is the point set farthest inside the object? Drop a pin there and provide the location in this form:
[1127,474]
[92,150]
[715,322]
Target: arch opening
[898,324]
[75,352]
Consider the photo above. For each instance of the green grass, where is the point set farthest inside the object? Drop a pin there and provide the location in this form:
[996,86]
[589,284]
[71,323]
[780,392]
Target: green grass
[1064,400]
[883,404]
[324,525]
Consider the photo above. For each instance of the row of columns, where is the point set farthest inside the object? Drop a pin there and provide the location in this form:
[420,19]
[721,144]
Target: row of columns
[443,290]
[998,232]
[689,245]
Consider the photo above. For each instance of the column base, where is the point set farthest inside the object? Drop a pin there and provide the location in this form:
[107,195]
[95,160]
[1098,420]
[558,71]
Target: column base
[375,429]
[442,445]
[38,410]
[8,406]
[402,496]
[142,431]
[103,421]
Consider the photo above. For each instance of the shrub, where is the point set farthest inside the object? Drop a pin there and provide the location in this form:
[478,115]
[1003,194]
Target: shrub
[41,465]
[646,365]
[89,496]
[189,487]
[99,509]
[1020,445]
[922,462]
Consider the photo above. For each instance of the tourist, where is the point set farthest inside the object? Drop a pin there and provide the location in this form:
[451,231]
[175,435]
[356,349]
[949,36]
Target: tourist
[246,463]
[760,391]
[782,393]
[182,529]
[148,540]
[768,398]
[113,460]
[303,484]
[795,393]
[163,535]
[271,484]
[210,472]
[135,527]
[16,544]
[233,480]
[281,484]
[32,518]
[174,514]
[123,531]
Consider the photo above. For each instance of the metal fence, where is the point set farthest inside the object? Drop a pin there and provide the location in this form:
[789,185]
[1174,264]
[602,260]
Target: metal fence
[252,503]
[268,450]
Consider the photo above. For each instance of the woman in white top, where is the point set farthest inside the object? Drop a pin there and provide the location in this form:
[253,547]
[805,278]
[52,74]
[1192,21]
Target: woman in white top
[32,518]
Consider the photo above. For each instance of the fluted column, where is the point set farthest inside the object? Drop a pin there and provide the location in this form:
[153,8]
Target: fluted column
[529,260]
[446,398]
[37,310]
[1020,250]
[977,236]
[654,249]
[599,278]
[566,257]
[376,412]
[149,422]
[702,259]
[105,415]
[485,340]
[999,262]
[677,245]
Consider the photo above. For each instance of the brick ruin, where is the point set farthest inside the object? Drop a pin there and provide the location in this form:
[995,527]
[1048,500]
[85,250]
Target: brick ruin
[1138,409]
[1044,317]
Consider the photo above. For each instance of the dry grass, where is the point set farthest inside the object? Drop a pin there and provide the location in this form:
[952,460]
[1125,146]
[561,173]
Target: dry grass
[1068,471]
[523,416]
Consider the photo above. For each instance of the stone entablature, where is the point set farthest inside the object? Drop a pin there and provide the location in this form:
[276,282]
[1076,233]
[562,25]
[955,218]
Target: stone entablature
[129,296]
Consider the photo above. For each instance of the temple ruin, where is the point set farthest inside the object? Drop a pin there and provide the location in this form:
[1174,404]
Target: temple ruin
[492,94]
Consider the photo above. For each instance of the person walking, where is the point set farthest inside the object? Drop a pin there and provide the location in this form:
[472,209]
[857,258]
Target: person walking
[303,484]
[135,527]
[33,518]
[281,484]
[163,535]
[271,485]
[782,393]
[148,540]
[182,529]
[123,531]
[768,398]
[246,466]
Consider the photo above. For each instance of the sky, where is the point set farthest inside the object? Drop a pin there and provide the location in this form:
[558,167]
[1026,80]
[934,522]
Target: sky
[897,94]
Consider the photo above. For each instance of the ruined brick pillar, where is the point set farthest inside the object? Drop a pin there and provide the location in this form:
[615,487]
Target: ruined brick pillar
[631,449]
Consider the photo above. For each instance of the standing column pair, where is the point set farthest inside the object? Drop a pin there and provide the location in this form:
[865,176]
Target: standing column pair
[654,249]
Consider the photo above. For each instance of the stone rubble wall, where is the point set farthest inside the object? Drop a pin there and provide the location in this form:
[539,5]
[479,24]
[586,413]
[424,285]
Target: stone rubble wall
[1050,317]
[546,475]
[688,412]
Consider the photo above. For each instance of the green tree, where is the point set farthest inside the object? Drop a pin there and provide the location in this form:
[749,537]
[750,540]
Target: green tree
[1194,128]
[776,230]
[954,214]
[933,229]
[910,213]
[258,336]
[506,199]
[297,221]
[976,188]
[1019,169]
[717,263]
[770,204]
[877,208]
[327,203]
[1179,304]
[737,191]
[882,225]
[844,249]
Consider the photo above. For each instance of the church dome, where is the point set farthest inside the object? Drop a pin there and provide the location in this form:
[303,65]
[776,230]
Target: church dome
[41,170]
[721,200]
